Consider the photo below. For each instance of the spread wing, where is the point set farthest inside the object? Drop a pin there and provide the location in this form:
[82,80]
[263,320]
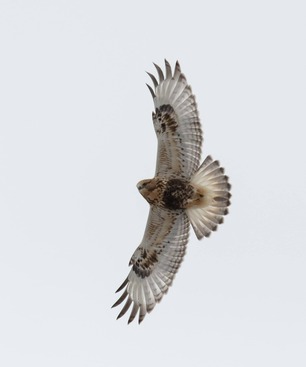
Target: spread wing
[177,124]
[155,262]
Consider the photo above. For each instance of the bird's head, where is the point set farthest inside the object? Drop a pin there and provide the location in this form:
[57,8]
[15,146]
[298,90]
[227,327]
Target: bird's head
[147,188]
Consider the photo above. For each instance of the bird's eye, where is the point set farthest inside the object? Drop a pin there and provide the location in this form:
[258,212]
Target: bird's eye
[140,186]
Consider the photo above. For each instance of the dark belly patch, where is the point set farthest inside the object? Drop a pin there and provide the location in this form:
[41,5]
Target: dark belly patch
[176,194]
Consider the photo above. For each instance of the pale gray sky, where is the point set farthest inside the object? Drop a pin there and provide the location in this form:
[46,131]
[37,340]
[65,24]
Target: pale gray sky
[75,138]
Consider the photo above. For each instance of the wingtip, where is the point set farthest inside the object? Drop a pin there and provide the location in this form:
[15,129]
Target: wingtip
[153,79]
[151,91]
[121,299]
[168,70]
[160,72]
[122,285]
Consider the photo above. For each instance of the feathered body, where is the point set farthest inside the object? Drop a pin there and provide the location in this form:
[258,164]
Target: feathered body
[181,193]
[173,193]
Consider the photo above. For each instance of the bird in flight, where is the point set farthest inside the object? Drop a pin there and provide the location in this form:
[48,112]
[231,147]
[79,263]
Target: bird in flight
[181,192]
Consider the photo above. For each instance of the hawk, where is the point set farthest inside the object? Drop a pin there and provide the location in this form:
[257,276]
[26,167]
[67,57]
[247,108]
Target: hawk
[181,192]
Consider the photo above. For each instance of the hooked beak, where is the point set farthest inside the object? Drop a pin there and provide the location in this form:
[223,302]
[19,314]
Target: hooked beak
[140,185]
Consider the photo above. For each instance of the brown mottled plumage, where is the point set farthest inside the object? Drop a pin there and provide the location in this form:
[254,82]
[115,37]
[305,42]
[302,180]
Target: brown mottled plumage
[181,192]
[173,193]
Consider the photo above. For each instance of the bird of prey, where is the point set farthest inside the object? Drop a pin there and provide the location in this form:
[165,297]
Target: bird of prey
[181,192]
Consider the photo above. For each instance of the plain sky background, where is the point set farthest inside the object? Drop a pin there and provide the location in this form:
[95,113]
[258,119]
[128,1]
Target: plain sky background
[76,136]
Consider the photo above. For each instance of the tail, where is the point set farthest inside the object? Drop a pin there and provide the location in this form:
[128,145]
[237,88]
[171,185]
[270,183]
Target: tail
[206,216]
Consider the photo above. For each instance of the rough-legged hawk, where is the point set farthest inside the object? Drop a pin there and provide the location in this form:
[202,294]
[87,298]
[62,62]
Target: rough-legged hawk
[181,192]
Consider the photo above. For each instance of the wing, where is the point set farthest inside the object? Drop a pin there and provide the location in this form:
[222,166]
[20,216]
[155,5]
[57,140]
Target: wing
[177,124]
[155,262]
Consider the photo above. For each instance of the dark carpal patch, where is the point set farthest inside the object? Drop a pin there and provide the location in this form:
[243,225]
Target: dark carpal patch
[166,118]
[144,264]
[176,194]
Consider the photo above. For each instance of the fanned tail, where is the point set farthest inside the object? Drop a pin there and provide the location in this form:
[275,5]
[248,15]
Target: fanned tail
[206,216]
